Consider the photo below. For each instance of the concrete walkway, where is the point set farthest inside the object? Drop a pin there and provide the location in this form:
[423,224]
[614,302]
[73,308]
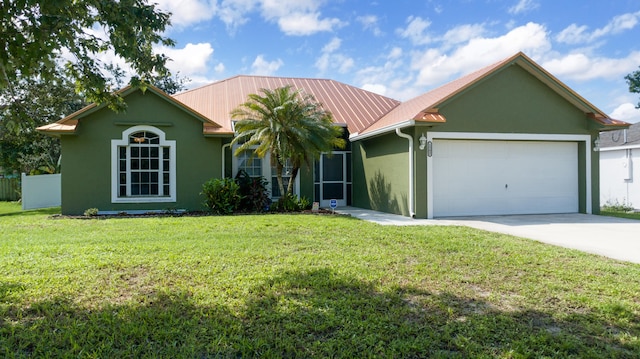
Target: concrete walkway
[612,237]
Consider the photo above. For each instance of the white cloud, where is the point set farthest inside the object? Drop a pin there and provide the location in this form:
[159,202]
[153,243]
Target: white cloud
[581,67]
[435,66]
[388,79]
[330,59]
[574,34]
[298,17]
[263,67]
[463,33]
[370,22]
[626,112]
[234,12]
[380,89]
[189,60]
[523,6]
[301,24]
[395,53]
[188,12]
[416,30]
[333,45]
[219,68]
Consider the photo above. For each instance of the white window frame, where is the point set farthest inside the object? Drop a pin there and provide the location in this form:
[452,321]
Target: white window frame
[124,142]
[266,171]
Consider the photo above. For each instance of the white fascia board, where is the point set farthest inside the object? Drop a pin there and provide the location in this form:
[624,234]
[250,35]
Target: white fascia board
[382,131]
[629,147]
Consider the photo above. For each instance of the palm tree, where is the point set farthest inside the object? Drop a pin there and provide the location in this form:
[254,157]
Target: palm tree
[288,124]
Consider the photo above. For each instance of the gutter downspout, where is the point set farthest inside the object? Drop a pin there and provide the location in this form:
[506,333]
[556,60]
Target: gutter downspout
[412,213]
[228,145]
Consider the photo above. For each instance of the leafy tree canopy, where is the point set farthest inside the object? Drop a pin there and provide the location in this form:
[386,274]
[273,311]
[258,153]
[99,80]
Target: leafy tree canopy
[37,34]
[30,103]
[289,125]
[633,79]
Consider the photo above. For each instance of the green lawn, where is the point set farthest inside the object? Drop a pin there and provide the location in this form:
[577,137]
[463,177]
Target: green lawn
[302,286]
[630,215]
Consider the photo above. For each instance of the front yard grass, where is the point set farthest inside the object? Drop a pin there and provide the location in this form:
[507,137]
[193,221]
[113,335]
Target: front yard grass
[621,214]
[302,286]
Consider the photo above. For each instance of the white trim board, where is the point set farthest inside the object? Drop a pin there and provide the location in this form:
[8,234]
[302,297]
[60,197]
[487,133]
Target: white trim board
[508,137]
[124,141]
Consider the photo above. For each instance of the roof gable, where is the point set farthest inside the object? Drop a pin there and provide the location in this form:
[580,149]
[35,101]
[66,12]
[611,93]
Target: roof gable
[424,108]
[354,107]
[69,124]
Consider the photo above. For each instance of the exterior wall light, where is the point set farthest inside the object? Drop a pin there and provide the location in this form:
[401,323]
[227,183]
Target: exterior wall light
[596,144]
[423,141]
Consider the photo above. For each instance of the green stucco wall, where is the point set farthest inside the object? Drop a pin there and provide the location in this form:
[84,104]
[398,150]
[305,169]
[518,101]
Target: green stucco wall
[513,101]
[381,173]
[86,156]
[509,101]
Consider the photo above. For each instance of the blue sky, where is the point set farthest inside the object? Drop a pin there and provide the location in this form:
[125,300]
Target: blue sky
[403,48]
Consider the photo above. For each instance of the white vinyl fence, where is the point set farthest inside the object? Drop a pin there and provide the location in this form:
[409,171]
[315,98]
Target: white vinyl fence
[41,191]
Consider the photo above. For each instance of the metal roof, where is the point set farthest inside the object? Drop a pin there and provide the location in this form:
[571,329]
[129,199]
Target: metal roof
[349,105]
[364,113]
[424,108]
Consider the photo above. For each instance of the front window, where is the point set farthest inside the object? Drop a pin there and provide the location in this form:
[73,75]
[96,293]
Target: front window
[286,177]
[145,164]
[250,163]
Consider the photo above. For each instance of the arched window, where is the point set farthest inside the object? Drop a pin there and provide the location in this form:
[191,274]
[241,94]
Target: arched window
[143,166]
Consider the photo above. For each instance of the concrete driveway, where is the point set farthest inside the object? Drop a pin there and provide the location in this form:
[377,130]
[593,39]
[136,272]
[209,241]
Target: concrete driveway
[612,237]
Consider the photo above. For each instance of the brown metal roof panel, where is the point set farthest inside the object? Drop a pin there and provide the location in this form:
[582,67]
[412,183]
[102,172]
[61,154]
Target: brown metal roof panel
[352,106]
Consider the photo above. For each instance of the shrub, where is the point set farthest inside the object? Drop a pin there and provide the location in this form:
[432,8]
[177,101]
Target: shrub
[617,207]
[222,195]
[91,212]
[291,203]
[255,196]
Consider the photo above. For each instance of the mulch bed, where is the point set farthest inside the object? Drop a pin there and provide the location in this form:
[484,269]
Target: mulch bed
[189,214]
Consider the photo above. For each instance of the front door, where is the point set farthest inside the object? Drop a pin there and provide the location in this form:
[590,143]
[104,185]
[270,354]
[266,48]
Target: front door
[332,179]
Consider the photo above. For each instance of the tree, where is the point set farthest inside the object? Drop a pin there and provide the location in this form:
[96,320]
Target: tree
[289,125]
[33,102]
[633,79]
[36,34]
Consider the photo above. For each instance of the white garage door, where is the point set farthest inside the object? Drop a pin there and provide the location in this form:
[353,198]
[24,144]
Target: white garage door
[474,177]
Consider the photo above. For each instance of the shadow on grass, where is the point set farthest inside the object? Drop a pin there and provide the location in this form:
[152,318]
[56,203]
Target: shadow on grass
[310,314]
[33,212]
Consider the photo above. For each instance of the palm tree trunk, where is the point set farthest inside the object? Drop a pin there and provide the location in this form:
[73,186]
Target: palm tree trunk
[292,179]
[279,169]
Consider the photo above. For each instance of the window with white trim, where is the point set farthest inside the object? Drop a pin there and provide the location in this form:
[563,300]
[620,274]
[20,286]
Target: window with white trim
[143,166]
[250,163]
[286,177]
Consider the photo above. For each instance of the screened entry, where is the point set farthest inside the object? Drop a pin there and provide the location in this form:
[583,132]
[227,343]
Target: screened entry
[332,179]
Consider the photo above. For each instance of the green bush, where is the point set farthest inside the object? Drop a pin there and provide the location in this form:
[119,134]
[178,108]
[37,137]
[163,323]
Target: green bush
[255,196]
[91,212]
[222,195]
[291,203]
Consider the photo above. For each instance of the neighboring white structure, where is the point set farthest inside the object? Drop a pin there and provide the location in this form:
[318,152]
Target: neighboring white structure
[620,167]
[41,191]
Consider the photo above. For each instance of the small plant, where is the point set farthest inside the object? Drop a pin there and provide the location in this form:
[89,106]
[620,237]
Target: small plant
[291,203]
[255,196]
[617,207]
[222,195]
[91,212]
[304,203]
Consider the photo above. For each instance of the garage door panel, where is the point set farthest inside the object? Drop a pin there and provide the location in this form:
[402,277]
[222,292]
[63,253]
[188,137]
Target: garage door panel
[473,177]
